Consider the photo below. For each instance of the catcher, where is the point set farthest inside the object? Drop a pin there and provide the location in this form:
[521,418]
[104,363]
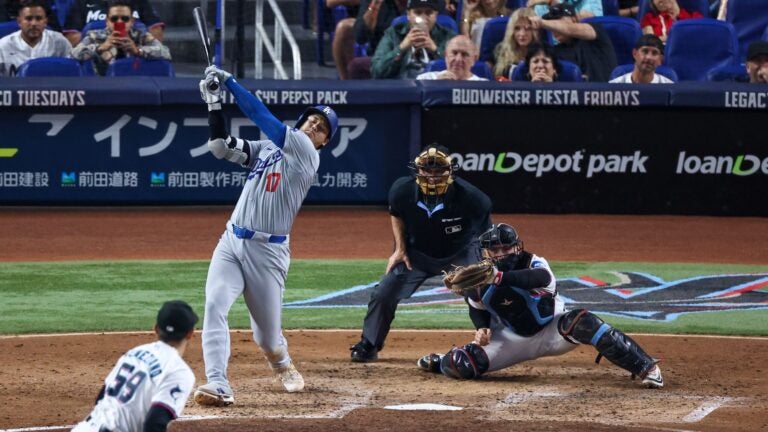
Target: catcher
[518,315]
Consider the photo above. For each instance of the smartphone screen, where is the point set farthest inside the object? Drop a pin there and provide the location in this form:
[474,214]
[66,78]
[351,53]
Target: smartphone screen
[120,29]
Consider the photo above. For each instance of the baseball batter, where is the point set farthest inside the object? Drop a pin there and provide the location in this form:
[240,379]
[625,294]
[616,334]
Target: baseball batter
[252,256]
[150,383]
[519,316]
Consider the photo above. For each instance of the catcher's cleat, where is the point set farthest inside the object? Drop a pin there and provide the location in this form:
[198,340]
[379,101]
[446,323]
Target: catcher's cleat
[653,378]
[363,352]
[214,394]
[290,378]
[429,363]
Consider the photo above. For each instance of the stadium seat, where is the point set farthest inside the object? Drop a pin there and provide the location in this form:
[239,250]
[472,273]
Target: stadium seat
[661,70]
[701,6]
[695,46]
[480,68]
[443,20]
[750,19]
[135,66]
[610,7]
[569,72]
[623,31]
[8,27]
[98,25]
[730,73]
[327,18]
[50,67]
[493,33]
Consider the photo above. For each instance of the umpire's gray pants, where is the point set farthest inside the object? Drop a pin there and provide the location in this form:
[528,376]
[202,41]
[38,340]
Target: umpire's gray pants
[400,283]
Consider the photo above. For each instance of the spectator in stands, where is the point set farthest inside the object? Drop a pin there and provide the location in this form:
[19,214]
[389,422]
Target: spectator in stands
[460,55]
[405,49]
[373,19]
[106,45]
[32,40]
[344,36]
[757,62]
[542,63]
[584,8]
[586,44]
[628,8]
[85,11]
[648,54]
[57,13]
[477,13]
[662,15]
[513,48]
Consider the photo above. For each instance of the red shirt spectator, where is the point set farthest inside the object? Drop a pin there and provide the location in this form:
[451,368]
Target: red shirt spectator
[661,17]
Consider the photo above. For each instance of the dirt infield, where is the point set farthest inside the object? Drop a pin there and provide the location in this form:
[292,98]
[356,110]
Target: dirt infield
[713,384]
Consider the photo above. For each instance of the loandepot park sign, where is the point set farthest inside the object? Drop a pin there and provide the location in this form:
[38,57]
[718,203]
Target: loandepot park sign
[637,295]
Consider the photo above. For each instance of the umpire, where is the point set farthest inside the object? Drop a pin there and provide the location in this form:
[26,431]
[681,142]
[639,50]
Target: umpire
[436,220]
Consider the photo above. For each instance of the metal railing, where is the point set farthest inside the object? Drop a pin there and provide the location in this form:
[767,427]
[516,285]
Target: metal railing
[262,40]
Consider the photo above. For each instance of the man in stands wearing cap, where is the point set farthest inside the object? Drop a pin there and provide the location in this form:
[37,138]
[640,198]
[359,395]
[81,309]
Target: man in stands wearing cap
[648,54]
[586,44]
[757,62]
[150,384]
[405,49]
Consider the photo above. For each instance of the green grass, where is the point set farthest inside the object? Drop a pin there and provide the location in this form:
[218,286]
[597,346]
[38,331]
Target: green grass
[108,296]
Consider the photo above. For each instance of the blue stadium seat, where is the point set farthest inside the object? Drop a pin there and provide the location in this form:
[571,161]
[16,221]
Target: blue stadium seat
[730,73]
[136,66]
[701,6]
[493,33]
[443,20]
[569,72]
[750,19]
[623,31]
[8,27]
[695,46]
[627,68]
[98,25]
[610,7]
[50,67]
[480,68]
[326,23]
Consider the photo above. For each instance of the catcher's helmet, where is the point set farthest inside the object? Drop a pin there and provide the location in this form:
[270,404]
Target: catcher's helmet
[433,168]
[499,235]
[327,113]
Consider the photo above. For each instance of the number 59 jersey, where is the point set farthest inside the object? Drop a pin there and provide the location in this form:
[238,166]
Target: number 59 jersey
[147,375]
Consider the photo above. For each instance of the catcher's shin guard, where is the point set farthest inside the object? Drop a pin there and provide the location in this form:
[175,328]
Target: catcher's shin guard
[467,362]
[582,326]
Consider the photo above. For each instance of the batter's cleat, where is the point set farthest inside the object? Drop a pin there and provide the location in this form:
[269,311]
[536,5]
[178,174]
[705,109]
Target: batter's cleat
[363,352]
[214,394]
[429,363]
[290,378]
[653,378]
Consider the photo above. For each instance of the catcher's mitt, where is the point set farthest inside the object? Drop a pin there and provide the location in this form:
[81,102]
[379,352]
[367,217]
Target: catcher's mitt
[472,276]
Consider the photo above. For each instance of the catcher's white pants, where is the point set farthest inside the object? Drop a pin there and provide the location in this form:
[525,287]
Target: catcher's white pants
[256,270]
[508,348]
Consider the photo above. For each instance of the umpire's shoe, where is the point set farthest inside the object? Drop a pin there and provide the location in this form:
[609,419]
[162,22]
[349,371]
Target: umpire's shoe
[214,394]
[363,352]
[429,363]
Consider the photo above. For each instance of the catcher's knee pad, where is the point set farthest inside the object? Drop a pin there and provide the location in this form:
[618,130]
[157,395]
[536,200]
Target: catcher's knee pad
[467,362]
[582,326]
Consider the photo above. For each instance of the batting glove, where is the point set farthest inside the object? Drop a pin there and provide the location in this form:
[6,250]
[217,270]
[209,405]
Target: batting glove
[220,74]
[211,97]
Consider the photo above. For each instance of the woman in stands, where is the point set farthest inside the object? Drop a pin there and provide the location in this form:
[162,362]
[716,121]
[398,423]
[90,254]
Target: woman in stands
[513,48]
[476,13]
[542,63]
[662,15]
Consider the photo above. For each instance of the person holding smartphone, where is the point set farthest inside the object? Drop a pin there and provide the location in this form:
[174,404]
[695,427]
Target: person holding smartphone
[119,39]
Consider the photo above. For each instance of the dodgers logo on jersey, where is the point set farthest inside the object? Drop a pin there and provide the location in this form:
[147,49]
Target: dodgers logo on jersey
[260,165]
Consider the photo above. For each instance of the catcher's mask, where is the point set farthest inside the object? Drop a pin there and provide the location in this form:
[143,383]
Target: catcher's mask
[433,169]
[502,244]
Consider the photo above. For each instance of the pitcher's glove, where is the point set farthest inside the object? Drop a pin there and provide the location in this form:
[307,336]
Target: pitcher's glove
[472,276]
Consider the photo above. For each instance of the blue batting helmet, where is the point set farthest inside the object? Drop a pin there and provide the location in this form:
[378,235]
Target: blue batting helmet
[327,112]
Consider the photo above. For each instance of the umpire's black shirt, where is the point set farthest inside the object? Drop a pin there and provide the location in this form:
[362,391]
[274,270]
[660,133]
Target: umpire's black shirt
[465,213]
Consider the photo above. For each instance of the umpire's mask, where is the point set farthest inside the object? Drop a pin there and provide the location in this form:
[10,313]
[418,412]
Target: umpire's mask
[433,169]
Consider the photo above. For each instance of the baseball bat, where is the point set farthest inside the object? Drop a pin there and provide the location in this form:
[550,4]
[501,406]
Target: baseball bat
[202,31]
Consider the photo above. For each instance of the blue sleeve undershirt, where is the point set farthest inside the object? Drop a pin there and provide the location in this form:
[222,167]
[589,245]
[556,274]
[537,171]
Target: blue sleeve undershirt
[252,107]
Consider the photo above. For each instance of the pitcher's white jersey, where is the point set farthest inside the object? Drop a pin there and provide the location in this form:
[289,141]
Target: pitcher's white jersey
[147,375]
[277,183]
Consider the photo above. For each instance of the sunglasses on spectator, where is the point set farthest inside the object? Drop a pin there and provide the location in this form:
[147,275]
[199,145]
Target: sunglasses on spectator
[123,18]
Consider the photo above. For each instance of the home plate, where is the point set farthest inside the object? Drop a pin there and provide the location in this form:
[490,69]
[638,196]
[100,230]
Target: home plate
[423,407]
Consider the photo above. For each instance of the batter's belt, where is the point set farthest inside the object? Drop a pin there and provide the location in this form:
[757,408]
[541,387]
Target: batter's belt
[245,233]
